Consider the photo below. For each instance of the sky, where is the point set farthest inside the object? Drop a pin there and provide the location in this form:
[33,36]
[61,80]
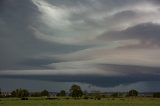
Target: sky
[106,45]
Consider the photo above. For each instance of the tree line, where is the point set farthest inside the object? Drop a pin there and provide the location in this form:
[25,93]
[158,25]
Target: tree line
[75,91]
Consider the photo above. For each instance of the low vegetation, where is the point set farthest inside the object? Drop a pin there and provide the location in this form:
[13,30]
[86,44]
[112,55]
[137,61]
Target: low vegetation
[80,102]
[77,97]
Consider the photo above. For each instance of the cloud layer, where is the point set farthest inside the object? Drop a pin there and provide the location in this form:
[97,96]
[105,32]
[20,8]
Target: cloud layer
[96,38]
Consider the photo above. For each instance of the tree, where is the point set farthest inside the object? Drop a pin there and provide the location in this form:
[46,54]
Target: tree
[133,93]
[13,93]
[44,93]
[25,93]
[76,91]
[62,93]
[20,93]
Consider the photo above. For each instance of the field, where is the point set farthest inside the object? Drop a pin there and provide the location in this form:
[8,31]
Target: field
[81,102]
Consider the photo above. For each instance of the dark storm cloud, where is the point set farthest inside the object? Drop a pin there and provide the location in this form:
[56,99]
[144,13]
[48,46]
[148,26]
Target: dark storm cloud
[146,32]
[130,69]
[123,16]
[80,41]
[156,2]
[102,81]
[17,42]
[135,74]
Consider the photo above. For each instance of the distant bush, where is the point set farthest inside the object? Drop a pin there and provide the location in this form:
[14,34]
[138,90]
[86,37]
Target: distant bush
[115,94]
[36,94]
[121,99]
[24,98]
[156,95]
[133,93]
[52,98]
[98,97]
[67,98]
[44,93]
[20,93]
[86,97]
[91,98]
[61,93]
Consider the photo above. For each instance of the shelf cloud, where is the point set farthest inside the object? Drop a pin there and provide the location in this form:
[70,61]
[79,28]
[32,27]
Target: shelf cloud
[91,41]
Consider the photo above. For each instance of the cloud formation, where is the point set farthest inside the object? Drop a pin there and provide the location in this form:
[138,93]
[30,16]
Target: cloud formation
[102,39]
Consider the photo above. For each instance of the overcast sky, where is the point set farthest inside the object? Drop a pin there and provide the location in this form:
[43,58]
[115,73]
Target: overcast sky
[100,44]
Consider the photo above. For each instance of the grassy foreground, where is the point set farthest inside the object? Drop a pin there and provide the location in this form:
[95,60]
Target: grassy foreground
[81,102]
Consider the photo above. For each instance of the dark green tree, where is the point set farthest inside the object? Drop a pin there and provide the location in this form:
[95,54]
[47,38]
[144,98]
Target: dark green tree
[62,93]
[44,93]
[76,91]
[20,93]
[13,93]
[133,93]
[24,93]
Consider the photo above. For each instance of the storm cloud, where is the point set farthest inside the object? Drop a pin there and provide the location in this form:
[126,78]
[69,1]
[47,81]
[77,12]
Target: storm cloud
[106,43]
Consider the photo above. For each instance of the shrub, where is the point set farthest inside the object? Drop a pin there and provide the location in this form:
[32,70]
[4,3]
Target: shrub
[133,93]
[98,98]
[86,97]
[156,95]
[24,98]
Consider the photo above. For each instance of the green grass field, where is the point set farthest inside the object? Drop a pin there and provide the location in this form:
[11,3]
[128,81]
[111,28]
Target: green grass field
[81,102]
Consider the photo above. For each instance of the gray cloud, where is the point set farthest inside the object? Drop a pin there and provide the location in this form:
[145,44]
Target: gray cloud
[147,33]
[36,85]
[101,42]
[98,80]
[17,41]
[131,74]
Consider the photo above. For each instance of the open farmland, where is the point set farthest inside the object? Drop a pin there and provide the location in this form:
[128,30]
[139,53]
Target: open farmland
[81,102]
